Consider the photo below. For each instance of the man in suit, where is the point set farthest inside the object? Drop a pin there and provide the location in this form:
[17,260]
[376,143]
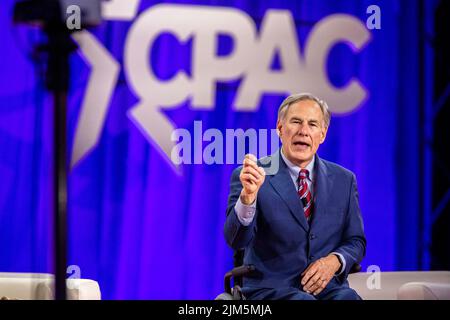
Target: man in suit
[300,226]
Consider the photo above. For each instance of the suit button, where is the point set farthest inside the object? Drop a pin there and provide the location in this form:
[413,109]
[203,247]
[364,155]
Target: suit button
[311,257]
[312,236]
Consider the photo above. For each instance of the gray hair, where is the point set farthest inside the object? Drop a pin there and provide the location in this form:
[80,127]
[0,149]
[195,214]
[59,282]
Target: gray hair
[301,97]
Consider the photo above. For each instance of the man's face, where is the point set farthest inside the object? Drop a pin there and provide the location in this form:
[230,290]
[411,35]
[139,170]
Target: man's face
[302,130]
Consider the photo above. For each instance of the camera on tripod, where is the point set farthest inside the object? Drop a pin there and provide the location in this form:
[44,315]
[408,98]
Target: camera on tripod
[52,16]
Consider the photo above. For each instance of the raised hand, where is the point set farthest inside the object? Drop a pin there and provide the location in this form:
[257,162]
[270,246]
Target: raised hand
[252,177]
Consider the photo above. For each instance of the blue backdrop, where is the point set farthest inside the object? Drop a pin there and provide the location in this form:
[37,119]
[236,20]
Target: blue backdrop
[145,232]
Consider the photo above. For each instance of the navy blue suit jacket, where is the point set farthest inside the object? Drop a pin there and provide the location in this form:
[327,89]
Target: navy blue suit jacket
[280,242]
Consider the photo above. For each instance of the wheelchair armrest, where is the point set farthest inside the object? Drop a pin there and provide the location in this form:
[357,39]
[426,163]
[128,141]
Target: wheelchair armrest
[237,272]
[355,268]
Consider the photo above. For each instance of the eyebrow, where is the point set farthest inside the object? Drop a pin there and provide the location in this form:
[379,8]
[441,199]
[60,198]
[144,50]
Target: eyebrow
[299,119]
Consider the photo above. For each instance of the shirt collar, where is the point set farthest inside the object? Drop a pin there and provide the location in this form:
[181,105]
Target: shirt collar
[295,170]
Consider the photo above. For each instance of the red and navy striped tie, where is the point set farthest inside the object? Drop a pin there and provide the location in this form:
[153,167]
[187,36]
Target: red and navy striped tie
[304,193]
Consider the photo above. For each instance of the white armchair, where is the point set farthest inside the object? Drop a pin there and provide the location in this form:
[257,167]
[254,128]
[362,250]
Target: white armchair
[39,286]
[404,285]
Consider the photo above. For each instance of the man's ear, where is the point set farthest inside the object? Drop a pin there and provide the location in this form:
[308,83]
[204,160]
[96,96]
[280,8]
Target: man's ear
[324,134]
[279,126]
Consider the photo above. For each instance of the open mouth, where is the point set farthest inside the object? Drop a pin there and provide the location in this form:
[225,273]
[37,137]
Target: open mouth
[302,145]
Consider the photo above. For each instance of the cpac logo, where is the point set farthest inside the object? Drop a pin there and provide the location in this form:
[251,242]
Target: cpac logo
[251,58]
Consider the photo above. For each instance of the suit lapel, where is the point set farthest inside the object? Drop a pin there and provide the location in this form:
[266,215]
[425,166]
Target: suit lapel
[282,183]
[322,189]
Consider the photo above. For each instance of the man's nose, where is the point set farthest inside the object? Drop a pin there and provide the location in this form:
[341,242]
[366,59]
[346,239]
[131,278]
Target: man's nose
[303,130]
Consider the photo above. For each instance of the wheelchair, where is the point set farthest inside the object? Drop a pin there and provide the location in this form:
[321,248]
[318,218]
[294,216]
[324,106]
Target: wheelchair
[240,271]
